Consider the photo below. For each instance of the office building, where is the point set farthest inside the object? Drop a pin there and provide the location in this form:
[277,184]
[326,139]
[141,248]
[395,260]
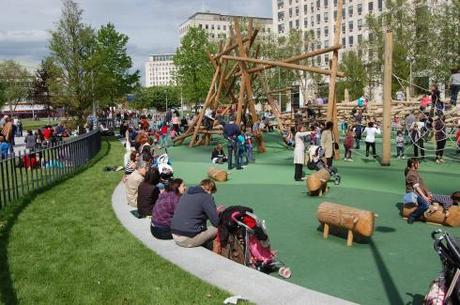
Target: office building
[159,70]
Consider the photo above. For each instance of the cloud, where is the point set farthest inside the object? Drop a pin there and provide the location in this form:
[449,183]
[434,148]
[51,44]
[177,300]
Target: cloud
[152,25]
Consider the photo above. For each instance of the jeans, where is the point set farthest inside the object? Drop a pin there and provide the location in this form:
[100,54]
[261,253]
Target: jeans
[164,140]
[249,150]
[453,94]
[241,156]
[399,151]
[371,145]
[347,153]
[233,149]
[422,206]
[161,232]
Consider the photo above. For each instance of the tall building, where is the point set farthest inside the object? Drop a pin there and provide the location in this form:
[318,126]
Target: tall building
[217,25]
[318,17]
[159,70]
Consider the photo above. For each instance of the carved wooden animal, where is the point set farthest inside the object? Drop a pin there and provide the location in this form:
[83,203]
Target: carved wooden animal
[317,182]
[217,174]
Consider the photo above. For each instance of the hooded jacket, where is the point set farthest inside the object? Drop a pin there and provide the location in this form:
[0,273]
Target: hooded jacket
[193,210]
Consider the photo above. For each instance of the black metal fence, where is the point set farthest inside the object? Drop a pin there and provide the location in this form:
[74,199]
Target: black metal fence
[26,172]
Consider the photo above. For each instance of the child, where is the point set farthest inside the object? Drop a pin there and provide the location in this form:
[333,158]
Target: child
[164,136]
[457,135]
[348,144]
[4,148]
[399,145]
[218,155]
[242,150]
[249,147]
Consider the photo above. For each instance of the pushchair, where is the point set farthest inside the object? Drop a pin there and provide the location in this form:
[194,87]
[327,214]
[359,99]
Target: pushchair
[242,237]
[445,289]
[163,164]
[316,162]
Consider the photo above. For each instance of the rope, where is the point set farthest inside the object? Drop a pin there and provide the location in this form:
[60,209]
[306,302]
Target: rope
[406,81]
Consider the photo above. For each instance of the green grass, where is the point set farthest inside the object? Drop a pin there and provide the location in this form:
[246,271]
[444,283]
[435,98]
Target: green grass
[395,267]
[34,124]
[67,247]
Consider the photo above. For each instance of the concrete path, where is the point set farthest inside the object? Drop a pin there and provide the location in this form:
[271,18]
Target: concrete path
[256,286]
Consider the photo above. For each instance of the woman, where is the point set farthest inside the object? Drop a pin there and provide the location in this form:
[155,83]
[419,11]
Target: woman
[328,142]
[437,106]
[147,193]
[441,138]
[370,132]
[416,191]
[164,208]
[299,152]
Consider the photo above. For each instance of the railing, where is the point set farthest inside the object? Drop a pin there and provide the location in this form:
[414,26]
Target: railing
[26,172]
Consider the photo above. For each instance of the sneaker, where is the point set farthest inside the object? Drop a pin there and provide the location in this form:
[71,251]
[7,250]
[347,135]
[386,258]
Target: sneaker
[438,161]
[350,160]
[442,160]
[410,220]
[403,157]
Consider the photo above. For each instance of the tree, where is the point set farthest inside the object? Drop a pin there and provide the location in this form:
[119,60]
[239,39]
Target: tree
[194,70]
[44,76]
[71,48]
[156,97]
[355,76]
[15,83]
[110,66]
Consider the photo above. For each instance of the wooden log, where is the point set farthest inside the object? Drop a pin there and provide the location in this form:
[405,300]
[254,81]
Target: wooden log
[282,64]
[334,63]
[317,182]
[387,82]
[260,142]
[341,216]
[452,218]
[217,174]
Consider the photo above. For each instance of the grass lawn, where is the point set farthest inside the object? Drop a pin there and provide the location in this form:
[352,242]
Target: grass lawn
[67,247]
[394,268]
[34,124]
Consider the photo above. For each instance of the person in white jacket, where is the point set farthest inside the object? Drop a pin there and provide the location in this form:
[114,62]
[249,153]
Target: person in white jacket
[370,131]
[299,152]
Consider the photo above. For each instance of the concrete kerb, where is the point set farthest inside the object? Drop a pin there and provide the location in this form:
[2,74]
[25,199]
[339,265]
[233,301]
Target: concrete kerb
[216,270]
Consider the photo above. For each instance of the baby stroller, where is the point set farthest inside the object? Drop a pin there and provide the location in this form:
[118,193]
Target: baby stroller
[445,289]
[242,237]
[162,163]
[316,162]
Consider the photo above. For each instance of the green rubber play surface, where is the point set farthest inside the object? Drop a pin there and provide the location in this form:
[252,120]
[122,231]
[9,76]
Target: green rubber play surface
[395,267]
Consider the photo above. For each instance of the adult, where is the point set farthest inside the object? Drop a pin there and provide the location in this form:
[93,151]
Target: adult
[440,137]
[132,185]
[328,143]
[416,191]
[370,132]
[164,209]
[194,209]
[358,117]
[231,132]
[437,106]
[148,192]
[299,152]
[454,86]
[417,133]
[410,120]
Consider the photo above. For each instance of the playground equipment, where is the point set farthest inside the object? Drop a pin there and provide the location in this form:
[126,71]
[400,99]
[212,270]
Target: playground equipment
[217,174]
[345,217]
[317,182]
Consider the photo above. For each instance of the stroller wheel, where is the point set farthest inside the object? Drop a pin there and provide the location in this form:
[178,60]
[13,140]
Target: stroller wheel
[285,272]
[337,180]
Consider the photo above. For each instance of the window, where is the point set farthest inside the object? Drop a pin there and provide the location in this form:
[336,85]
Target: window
[280,4]
[370,6]
[380,4]
[326,43]
[206,26]
[344,12]
[297,11]
[360,38]
[326,17]
[318,60]
[218,27]
[200,26]
[350,11]
[281,16]
[318,4]
[335,15]
[297,23]
[326,58]
[280,28]
[318,33]
[326,3]
[305,22]
[290,12]
[344,44]
[290,2]
[318,18]
[335,3]
[350,41]
[225,27]
[350,26]
[290,25]
[360,9]
[305,9]
[326,32]
[343,28]
[311,7]
[312,22]
[212,26]
[360,24]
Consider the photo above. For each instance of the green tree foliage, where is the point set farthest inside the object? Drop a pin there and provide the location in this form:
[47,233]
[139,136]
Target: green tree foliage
[15,83]
[156,97]
[194,70]
[71,48]
[110,65]
[44,76]
[355,76]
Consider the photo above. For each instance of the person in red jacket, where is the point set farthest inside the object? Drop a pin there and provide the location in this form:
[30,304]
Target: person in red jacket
[348,143]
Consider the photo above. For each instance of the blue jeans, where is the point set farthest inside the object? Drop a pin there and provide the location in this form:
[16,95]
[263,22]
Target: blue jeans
[233,152]
[422,206]
[453,94]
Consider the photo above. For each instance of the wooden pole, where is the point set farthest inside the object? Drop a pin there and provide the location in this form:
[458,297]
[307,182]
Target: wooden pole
[346,96]
[335,59]
[283,64]
[387,77]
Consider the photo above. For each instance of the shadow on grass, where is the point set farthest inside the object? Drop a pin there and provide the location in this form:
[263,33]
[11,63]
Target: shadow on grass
[8,217]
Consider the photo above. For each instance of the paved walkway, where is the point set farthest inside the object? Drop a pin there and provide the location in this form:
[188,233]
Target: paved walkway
[256,286]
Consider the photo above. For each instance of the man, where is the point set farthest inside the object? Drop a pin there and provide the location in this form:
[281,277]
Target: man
[132,184]
[454,86]
[410,119]
[416,190]
[195,207]
[231,132]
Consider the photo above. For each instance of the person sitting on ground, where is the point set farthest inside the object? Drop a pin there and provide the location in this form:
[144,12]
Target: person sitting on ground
[147,193]
[132,163]
[416,191]
[164,208]
[218,155]
[195,207]
[132,184]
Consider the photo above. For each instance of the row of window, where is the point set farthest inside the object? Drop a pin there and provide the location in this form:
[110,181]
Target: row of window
[320,4]
[217,27]
[296,25]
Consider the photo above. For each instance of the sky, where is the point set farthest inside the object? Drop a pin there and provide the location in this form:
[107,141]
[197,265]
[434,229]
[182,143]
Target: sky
[152,25]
